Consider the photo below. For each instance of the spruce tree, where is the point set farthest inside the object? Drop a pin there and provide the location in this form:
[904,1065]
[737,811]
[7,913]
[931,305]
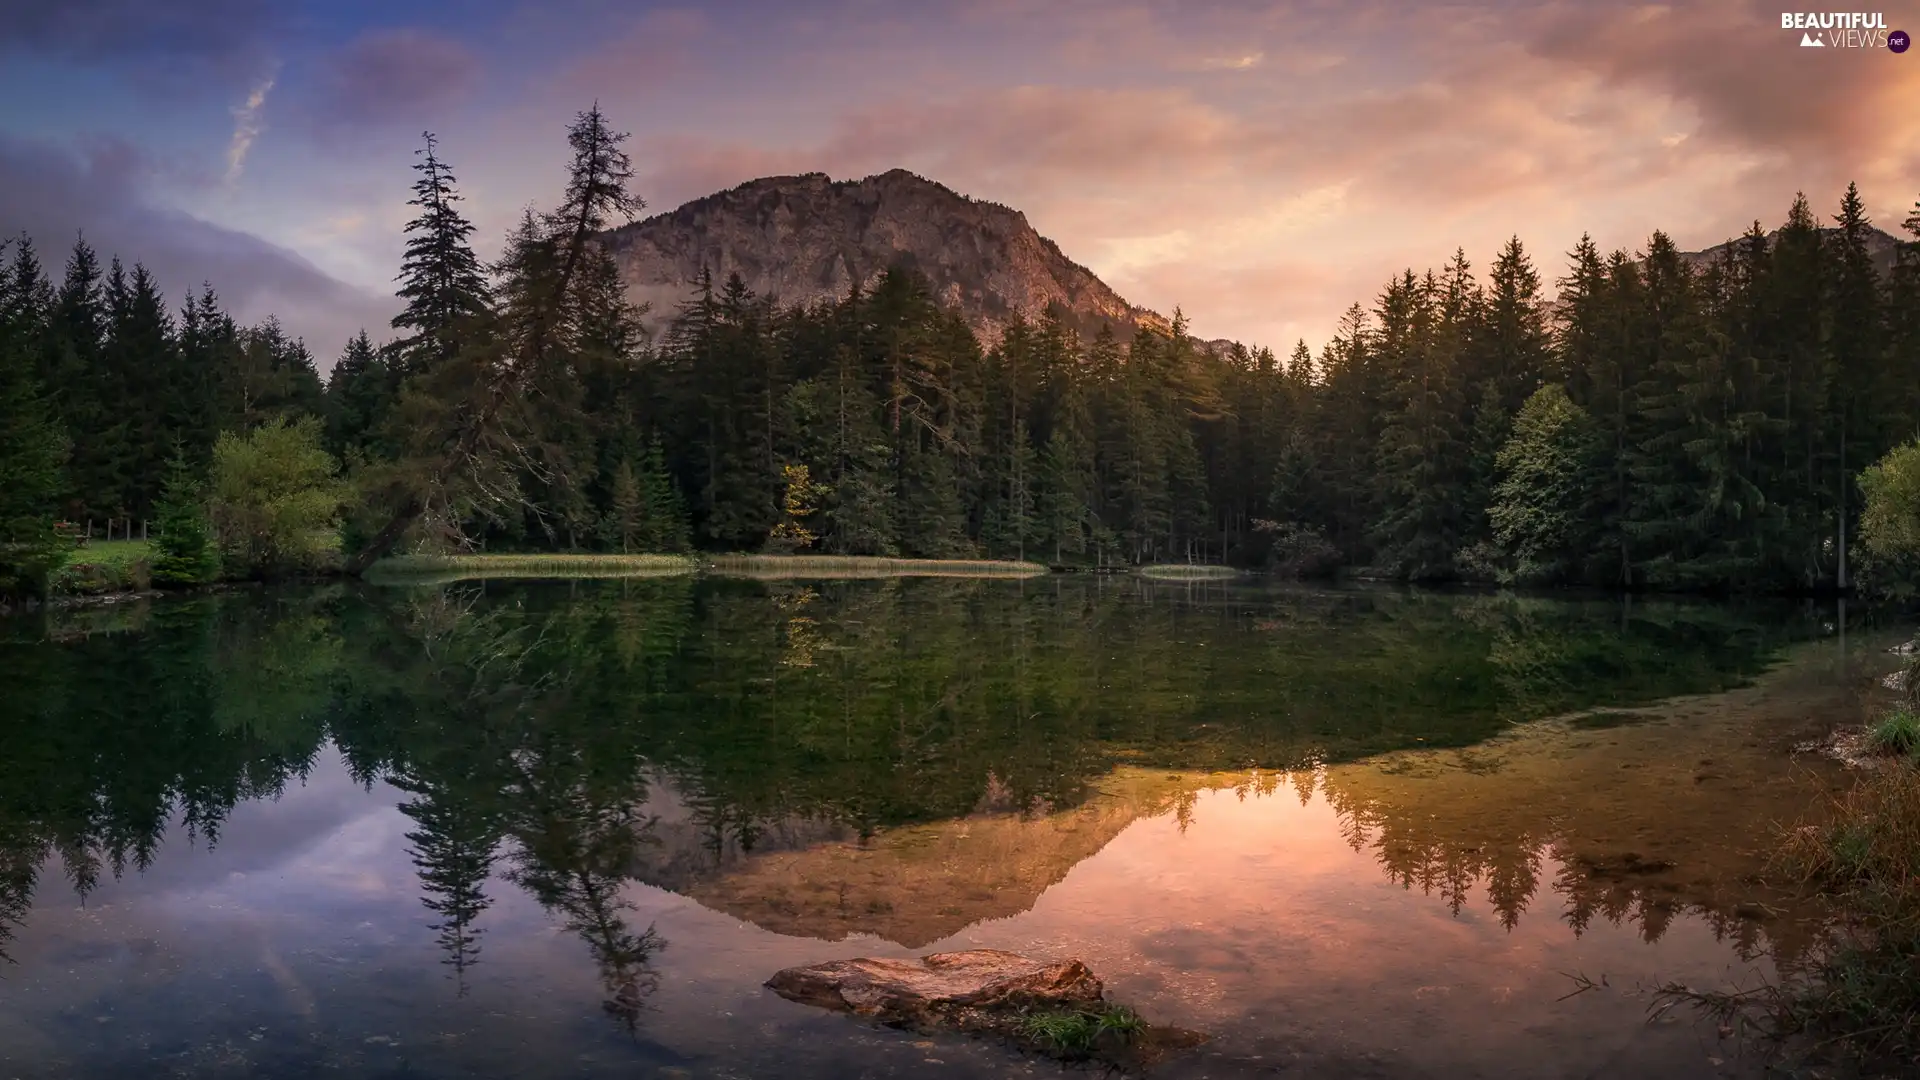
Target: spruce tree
[184,550]
[33,449]
[1860,391]
[359,396]
[143,350]
[440,277]
[73,374]
[626,513]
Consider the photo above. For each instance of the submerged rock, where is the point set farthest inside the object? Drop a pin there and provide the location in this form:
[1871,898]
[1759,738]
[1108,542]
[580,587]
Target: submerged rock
[932,987]
[988,992]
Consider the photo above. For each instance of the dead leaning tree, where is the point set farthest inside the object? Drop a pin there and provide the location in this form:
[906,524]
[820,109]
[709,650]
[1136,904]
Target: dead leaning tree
[596,192]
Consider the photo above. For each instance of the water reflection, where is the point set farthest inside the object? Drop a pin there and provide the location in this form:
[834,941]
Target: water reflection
[907,760]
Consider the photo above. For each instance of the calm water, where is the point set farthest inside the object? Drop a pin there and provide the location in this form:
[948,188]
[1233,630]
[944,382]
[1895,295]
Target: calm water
[569,829]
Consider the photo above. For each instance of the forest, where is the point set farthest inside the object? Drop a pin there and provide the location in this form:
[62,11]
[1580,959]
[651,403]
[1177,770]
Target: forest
[1649,424]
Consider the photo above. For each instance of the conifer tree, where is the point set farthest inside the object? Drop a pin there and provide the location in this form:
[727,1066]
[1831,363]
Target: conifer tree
[440,277]
[626,513]
[184,549]
[359,396]
[73,374]
[33,449]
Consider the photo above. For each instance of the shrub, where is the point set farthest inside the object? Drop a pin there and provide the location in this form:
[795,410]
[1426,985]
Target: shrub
[1890,520]
[1898,732]
[1298,550]
[276,499]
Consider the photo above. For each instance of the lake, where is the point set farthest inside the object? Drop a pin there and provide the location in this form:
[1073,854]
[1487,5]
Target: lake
[568,829]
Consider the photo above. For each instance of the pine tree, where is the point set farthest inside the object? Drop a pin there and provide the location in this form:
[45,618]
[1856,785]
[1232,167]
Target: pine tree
[530,340]
[665,522]
[1421,459]
[205,400]
[184,551]
[1860,391]
[73,373]
[1515,346]
[144,351]
[626,513]
[359,396]
[1795,290]
[440,277]
[33,450]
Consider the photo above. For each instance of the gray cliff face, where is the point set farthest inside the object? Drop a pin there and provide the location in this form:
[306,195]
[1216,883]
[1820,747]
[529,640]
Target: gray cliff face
[804,239]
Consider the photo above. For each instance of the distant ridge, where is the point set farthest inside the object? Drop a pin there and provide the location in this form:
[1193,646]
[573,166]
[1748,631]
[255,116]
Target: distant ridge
[1882,247]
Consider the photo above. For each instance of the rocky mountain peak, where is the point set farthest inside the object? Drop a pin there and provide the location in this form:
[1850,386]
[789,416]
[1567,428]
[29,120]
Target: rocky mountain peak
[808,238]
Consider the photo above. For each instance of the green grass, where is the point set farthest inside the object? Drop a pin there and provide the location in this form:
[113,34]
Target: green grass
[1898,732]
[854,566]
[1076,1033]
[440,569]
[1188,571]
[105,566]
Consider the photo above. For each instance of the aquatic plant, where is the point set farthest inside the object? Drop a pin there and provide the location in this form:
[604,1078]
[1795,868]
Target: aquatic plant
[1076,1033]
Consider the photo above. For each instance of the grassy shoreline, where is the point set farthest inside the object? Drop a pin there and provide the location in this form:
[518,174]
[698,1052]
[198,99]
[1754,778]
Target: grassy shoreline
[1859,1002]
[438,569]
[856,566]
[1189,572]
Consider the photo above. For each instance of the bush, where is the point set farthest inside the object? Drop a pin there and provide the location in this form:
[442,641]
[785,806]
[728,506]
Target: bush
[1890,521]
[276,499]
[1297,550]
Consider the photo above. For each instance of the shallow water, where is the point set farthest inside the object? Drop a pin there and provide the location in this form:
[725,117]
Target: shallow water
[569,830]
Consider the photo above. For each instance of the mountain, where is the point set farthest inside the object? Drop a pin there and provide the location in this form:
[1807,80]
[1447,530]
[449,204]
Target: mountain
[803,239]
[1881,248]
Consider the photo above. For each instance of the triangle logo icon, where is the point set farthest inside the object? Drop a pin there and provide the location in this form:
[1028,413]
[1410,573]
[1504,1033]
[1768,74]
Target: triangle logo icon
[1809,41]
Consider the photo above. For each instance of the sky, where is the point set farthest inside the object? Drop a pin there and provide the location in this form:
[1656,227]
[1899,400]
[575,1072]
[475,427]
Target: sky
[1260,165]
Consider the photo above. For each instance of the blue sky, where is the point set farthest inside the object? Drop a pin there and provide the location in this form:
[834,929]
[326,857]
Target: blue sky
[1261,165]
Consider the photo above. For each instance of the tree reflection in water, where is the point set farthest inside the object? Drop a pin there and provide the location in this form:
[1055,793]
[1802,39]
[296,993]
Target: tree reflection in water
[524,726]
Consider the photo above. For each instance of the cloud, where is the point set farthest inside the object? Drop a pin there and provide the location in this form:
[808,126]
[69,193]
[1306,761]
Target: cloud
[56,193]
[247,126]
[1182,197]
[177,45]
[1243,62]
[391,78]
[637,55]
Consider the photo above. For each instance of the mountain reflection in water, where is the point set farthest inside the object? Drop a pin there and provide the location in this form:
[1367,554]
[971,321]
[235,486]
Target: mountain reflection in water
[905,760]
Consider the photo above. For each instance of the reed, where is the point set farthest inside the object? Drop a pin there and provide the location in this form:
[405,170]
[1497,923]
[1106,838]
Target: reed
[1189,572]
[817,567]
[441,569]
